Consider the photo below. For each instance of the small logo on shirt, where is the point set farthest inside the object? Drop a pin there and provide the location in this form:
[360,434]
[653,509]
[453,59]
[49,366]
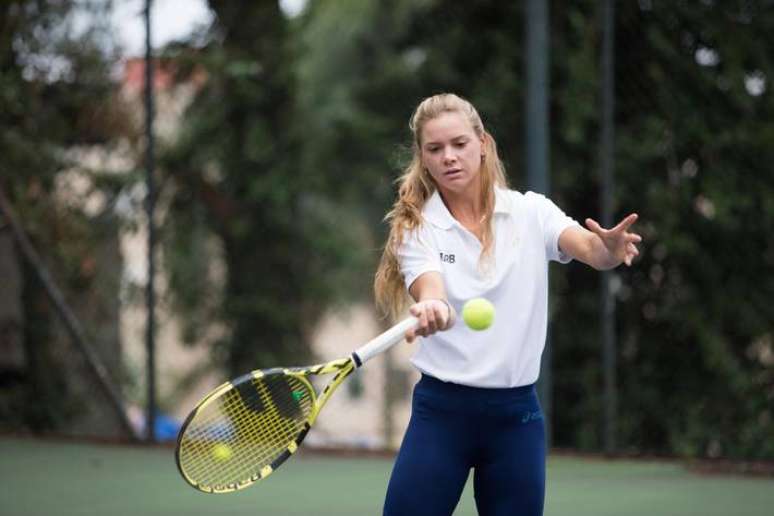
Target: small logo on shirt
[447,258]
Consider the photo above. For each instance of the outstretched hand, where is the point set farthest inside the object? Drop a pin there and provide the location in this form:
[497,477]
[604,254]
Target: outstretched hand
[619,242]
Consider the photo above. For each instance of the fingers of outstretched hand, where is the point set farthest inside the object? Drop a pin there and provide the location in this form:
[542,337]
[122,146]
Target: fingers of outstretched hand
[626,222]
[620,228]
[631,253]
[594,227]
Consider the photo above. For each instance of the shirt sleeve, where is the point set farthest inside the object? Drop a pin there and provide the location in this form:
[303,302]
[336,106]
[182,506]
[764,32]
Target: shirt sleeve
[554,221]
[417,255]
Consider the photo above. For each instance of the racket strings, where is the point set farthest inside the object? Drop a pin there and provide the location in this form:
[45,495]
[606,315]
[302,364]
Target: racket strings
[233,438]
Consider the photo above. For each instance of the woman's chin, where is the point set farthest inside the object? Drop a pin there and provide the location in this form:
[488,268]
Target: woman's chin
[457,183]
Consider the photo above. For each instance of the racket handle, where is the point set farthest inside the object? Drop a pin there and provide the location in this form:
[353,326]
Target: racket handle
[383,342]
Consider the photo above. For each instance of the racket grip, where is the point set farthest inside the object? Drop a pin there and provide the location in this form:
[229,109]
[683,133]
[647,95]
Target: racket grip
[383,342]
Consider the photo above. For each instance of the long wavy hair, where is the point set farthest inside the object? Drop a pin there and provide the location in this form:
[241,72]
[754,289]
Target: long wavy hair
[415,188]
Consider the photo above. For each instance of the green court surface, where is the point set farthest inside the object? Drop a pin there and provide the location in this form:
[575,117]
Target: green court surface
[50,478]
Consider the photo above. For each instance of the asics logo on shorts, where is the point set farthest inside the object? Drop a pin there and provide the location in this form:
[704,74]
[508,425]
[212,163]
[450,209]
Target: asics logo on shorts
[531,416]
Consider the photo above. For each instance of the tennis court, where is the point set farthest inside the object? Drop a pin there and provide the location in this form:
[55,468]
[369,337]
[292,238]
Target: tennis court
[65,478]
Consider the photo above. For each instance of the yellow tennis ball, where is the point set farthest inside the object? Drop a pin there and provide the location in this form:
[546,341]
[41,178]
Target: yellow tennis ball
[222,452]
[478,314]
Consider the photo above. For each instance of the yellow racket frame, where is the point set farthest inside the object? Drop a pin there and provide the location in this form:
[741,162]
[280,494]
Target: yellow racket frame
[341,368]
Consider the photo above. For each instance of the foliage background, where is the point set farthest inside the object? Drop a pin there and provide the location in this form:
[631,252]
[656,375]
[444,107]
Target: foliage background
[285,161]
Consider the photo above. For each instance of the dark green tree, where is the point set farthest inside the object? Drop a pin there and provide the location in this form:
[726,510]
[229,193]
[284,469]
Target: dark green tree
[691,91]
[236,175]
[693,323]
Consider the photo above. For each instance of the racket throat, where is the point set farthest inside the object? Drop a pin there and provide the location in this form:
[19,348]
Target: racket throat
[356,360]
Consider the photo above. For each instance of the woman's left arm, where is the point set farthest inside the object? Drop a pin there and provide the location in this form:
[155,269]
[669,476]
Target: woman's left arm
[601,248]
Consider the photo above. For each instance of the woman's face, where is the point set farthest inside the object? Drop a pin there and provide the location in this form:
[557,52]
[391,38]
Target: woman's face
[451,151]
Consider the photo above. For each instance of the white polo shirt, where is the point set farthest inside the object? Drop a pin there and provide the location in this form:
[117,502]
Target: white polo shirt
[526,236]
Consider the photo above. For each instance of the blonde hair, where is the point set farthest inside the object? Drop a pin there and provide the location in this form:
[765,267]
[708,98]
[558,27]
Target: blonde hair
[415,188]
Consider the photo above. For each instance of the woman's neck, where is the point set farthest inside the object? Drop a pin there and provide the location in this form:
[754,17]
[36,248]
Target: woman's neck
[465,207]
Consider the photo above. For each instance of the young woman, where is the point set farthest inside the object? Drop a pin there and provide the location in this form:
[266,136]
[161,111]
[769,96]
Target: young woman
[458,232]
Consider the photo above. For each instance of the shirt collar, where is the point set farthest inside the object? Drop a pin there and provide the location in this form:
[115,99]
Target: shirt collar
[436,212]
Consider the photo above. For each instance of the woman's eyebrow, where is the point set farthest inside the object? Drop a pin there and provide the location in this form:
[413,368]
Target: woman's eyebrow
[454,138]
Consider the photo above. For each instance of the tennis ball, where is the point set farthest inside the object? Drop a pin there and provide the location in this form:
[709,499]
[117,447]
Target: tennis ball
[478,314]
[222,452]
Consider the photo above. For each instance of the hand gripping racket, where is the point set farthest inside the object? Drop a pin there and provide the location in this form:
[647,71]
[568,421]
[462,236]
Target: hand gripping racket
[245,429]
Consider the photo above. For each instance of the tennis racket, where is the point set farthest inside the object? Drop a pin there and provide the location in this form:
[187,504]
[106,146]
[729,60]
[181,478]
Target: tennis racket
[245,429]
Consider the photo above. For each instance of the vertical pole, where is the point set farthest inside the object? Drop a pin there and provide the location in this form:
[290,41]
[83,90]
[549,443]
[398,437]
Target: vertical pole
[536,131]
[150,205]
[607,157]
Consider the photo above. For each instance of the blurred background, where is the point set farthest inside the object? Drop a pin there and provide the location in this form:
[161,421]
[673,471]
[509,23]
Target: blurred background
[263,138]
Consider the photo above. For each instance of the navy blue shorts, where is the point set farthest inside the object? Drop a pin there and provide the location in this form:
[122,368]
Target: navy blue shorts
[499,433]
